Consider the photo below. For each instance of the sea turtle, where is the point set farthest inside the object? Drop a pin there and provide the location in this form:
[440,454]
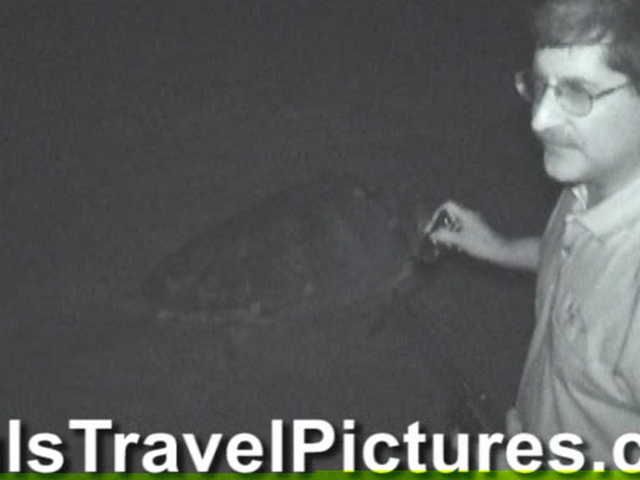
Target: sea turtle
[326,240]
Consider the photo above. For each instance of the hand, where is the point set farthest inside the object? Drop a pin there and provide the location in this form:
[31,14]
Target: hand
[513,423]
[468,233]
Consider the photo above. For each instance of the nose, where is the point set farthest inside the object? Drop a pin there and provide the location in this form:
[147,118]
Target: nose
[546,112]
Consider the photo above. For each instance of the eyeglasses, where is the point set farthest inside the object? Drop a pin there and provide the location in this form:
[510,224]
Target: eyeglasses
[572,96]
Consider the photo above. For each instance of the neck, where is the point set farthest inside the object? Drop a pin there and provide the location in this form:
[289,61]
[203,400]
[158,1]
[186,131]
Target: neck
[597,192]
[595,195]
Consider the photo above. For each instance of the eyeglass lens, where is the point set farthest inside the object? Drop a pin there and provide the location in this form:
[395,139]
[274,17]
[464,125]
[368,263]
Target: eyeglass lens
[572,97]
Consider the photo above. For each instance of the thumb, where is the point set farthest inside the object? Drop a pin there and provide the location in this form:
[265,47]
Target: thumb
[446,237]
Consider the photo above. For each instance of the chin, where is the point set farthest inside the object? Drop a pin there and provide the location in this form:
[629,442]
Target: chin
[565,166]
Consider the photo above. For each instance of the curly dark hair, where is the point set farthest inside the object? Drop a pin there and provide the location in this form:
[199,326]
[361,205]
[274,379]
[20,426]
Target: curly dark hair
[615,23]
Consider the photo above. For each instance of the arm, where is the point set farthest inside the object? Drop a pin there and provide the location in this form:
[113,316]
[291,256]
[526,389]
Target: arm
[521,253]
[477,239]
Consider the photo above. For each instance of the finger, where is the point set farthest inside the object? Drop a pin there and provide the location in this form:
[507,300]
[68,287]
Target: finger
[434,216]
[451,208]
[454,207]
[514,424]
[446,237]
[457,211]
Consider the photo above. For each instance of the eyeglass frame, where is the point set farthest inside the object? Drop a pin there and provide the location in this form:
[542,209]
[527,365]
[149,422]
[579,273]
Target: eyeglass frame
[534,98]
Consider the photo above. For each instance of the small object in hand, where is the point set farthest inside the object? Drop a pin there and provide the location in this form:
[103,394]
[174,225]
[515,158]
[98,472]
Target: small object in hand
[429,250]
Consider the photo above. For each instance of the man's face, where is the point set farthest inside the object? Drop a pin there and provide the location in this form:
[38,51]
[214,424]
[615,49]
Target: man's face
[601,149]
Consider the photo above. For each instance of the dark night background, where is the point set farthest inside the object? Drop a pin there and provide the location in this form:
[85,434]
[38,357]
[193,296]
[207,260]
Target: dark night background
[128,126]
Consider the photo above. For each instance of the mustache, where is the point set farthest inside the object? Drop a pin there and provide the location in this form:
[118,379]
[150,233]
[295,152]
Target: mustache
[557,138]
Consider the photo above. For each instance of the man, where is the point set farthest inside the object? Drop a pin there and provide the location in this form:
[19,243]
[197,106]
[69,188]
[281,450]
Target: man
[582,373]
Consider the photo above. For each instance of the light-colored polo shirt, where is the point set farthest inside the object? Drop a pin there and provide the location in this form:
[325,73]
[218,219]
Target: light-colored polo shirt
[582,373]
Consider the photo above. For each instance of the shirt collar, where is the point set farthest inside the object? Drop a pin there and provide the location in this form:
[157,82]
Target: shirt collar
[612,214]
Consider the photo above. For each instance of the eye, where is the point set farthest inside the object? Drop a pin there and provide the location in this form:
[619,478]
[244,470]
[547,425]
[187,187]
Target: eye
[573,90]
[574,97]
